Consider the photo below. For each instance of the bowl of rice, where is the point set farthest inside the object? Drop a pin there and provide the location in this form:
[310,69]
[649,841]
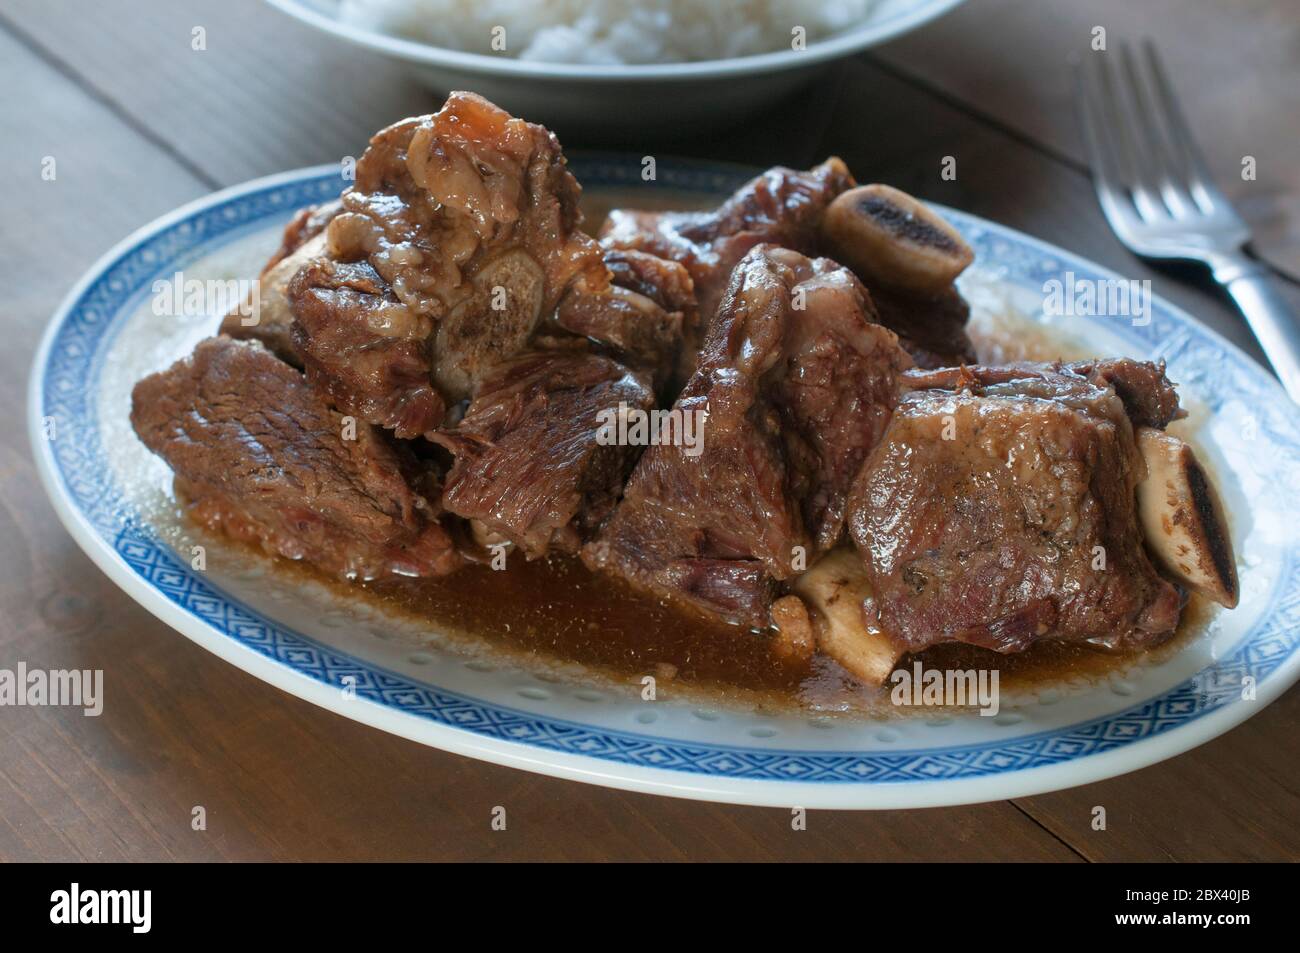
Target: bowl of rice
[619,65]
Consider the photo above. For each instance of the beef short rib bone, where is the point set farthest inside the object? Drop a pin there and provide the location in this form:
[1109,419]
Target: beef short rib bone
[259,456]
[1183,519]
[838,594]
[909,257]
[890,238]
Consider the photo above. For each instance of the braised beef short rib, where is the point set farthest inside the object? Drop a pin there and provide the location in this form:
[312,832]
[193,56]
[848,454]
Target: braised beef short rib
[382,378]
[450,255]
[531,465]
[794,385]
[258,455]
[786,207]
[641,318]
[999,508]
[781,207]
[465,223]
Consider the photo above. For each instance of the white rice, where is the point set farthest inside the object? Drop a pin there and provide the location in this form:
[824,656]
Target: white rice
[609,31]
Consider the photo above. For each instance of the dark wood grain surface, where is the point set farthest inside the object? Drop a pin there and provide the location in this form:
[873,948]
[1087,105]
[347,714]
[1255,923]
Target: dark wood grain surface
[138,123]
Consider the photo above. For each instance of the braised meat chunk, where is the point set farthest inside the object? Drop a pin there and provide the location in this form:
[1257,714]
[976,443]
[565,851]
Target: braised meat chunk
[303,240]
[906,255]
[537,461]
[365,351]
[641,317]
[468,223]
[834,388]
[259,456]
[931,326]
[781,207]
[1149,399]
[1000,509]
[793,387]
[1147,395]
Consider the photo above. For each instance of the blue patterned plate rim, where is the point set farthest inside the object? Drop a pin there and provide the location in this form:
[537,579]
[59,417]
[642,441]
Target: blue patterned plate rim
[126,549]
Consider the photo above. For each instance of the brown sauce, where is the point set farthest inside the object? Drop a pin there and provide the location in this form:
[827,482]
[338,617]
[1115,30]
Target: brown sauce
[554,613]
[556,610]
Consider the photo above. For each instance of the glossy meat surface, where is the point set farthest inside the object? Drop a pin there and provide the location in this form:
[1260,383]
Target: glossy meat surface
[260,457]
[999,509]
[530,465]
[796,382]
[453,350]
[781,207]
[467,224]
[362,348]
[785,207]
[641,317]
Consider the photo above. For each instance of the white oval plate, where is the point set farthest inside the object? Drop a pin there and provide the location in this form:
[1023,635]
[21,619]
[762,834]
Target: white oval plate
[346,656]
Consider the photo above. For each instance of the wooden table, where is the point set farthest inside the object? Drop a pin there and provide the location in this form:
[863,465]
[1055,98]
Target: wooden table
[139,122]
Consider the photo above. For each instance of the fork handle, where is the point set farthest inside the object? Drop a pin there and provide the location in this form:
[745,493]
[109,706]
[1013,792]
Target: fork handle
[1269,316]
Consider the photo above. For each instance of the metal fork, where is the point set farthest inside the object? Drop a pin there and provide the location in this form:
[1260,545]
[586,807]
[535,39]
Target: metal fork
[1157,194]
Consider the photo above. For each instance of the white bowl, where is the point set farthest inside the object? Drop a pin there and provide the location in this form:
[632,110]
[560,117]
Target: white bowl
[663,97]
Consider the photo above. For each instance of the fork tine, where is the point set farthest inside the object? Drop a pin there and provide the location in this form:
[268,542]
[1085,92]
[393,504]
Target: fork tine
[1160,171]
[1118,119]
[1128,93]
[1197,173]
[1107,174]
